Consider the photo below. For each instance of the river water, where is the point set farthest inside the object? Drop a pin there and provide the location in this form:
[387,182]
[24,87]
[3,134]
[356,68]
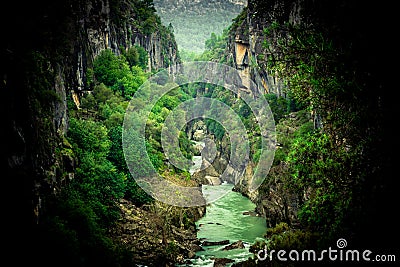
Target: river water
[224,220]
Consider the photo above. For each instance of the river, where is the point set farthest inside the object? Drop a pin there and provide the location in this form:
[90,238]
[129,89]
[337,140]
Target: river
[224,220]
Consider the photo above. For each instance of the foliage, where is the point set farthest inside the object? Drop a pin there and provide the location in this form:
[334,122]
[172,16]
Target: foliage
[215,48]
[101,176]
[73,234]
[325,165]
[293,239]
[143,57]
[278,105]
[216,128]
[239,19]
[78,208]
[195,21]
[115,154]
[114,72]
[187,55]
[318,165]
[315,71]
[109,68]
[89,136]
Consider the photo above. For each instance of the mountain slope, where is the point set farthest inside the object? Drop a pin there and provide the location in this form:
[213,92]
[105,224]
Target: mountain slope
[194,21]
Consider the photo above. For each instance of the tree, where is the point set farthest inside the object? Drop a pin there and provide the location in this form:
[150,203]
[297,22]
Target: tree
[108,68]
[143,57]
[132,56]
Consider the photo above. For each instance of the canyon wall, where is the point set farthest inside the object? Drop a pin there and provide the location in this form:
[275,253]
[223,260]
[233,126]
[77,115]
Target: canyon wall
[48,47]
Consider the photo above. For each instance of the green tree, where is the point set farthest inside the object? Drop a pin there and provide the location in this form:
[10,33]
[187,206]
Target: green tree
[89,136]
[143,57]
[132,56]
[108,68]
[279,106]
[319,168]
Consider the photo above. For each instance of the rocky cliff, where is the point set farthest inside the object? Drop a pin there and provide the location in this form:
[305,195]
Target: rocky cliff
[255,34]
[47,48]
[245,47]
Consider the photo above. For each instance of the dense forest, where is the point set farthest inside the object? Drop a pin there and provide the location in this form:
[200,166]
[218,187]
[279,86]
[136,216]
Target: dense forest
[194,21]
[70,72]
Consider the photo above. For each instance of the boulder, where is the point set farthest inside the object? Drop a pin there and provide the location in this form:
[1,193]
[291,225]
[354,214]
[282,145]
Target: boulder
[213,180]
[235,245]
[214,243]
[221,262]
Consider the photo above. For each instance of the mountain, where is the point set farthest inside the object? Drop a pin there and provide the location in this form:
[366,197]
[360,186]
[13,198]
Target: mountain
[194,21]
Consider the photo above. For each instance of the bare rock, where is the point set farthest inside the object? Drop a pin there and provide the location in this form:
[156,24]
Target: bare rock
[215,243]
[235,245]
[221,262]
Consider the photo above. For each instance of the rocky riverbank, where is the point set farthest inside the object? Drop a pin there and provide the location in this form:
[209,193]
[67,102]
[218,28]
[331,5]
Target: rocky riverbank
[158,234]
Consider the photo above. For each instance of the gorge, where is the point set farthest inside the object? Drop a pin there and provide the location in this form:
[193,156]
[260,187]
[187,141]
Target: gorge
[69,71]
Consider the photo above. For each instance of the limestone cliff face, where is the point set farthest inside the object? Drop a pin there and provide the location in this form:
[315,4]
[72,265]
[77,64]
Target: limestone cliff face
[47,48]
[246,47]
[248,54]
[116,25]
[345,23]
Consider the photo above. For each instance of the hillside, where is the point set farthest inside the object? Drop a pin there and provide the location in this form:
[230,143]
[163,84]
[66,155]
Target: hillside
[194,21]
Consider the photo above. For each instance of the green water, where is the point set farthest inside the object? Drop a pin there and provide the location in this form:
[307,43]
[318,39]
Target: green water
[224,220]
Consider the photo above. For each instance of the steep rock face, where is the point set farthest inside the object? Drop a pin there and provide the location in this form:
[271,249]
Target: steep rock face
[347,24]
[248,52]
[116,25]
[251,31]
[47,49]
[246,45]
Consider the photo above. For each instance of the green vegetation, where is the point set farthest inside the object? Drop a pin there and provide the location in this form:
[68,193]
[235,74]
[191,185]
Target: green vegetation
[322,158]
[137,56]
[105,107]
[324,133]
[323,162]
[145,18]
[194,21]
[138,19]
[319,160]
[119,74]
[327,177]
[88,207]
[82,215]
[215,47]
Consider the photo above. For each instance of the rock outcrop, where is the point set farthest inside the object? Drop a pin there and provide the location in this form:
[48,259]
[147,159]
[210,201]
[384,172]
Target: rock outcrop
[154,236]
